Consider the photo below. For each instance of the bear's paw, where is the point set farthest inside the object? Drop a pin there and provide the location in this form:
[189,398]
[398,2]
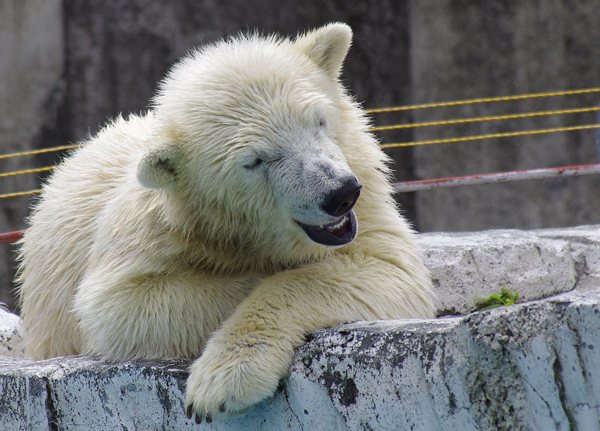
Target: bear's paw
[230,378]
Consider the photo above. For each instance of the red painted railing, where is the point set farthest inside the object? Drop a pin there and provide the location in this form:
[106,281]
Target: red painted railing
[13,236]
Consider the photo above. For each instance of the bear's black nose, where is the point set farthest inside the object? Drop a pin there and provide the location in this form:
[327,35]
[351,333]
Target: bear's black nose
[341,201]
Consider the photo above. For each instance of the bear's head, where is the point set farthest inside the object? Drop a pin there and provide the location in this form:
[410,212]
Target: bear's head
[249,144]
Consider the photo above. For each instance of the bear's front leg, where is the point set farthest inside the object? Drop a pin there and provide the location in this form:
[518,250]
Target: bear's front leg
[235,373]
[245,359]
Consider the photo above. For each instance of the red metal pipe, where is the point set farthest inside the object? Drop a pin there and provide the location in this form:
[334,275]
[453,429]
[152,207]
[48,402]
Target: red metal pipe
[11,236]
[501,177]
[411,186]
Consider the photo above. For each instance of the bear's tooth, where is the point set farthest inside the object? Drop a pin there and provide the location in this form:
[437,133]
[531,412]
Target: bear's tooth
[333,227]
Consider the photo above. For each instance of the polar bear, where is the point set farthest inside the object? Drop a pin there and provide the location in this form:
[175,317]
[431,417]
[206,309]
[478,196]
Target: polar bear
[223,225]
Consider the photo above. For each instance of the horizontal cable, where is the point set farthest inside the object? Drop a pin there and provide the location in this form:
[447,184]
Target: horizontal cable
[481,119]
[27,171]
[41,151]
[17,194]
[491,136]
[472,180]
[482,100]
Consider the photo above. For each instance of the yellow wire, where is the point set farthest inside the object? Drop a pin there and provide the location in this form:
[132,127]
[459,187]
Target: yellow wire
[43,150]
[398,126]
[14,195]
[480,119]
[493,135]
[483,100]
[27,171]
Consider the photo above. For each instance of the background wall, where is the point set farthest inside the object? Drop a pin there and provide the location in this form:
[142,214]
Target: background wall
[66,66]
[467,49]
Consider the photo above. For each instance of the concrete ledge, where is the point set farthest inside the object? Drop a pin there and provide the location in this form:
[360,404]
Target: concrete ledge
[535,365]
[529,366]
[535,263]
[10,334]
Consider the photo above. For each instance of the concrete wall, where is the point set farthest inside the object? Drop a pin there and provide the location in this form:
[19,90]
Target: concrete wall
[461,50]
[32,56]
[531,366]
[66,66]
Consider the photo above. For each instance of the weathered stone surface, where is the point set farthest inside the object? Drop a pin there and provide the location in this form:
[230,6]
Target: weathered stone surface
[531,366]
[465,265]
[584,243]
[87,393]
[10,334]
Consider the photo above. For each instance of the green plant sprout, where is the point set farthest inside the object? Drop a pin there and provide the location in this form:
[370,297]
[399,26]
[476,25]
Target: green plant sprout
[506,297]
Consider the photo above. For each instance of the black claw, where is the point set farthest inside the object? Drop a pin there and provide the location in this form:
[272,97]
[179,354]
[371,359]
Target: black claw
[199,418]
[222,408]
[189,412]
[208,418]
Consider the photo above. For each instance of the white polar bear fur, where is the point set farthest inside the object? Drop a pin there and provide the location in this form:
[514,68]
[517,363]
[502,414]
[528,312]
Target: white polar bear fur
[172,235]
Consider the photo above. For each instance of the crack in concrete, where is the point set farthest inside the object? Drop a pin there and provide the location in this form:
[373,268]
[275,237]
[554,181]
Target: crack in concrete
[287,401]
[557,370]
[51,412]
[578,263]
[548,407]
[477,269]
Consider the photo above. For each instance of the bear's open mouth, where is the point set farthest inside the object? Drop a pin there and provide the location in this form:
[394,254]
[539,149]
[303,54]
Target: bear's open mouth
[338,233]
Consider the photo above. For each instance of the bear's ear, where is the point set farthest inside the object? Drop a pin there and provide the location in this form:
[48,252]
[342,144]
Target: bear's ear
[327,46]
[158,167]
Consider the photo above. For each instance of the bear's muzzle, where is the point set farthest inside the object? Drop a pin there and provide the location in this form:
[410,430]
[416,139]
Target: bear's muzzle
[338,203]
